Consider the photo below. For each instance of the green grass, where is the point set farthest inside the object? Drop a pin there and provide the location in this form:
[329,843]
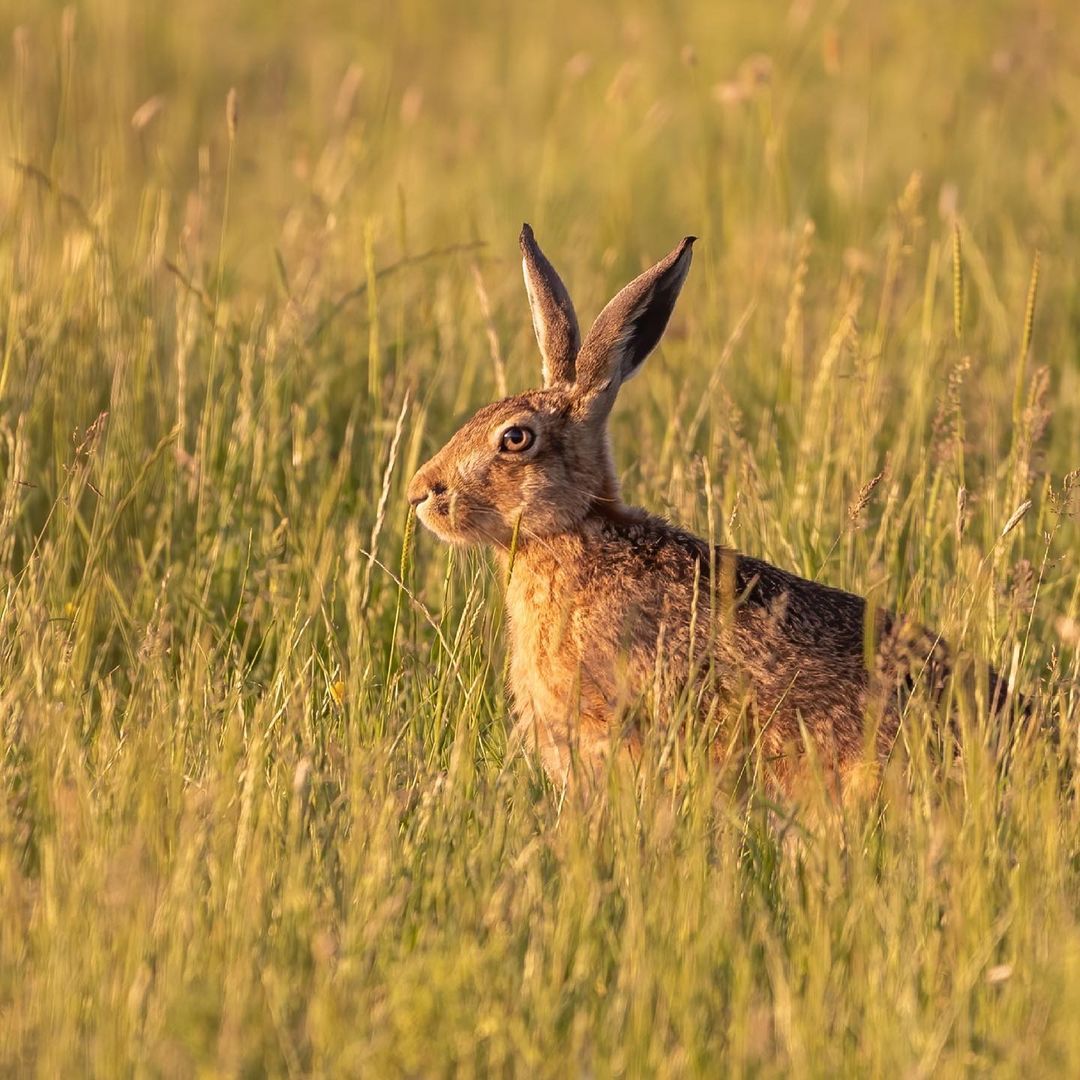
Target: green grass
[258,812]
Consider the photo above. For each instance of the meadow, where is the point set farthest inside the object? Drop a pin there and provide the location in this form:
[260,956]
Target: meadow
[259,815]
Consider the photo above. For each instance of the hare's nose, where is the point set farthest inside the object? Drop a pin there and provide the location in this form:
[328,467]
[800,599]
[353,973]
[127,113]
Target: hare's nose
[420,488]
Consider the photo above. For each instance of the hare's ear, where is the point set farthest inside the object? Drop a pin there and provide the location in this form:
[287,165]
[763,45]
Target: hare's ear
[628,329]
[553,315]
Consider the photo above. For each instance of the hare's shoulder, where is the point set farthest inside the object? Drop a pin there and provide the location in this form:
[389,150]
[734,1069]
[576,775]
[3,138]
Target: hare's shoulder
[646,546]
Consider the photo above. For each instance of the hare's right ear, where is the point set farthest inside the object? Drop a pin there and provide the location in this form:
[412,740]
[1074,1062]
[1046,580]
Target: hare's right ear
[553,315]
[627,330]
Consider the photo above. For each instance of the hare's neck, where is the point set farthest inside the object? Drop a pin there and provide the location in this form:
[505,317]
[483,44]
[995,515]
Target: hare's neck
[540,568]
[548,572]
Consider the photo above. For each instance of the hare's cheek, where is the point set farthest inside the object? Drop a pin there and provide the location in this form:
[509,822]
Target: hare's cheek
[530,491]
[473,473]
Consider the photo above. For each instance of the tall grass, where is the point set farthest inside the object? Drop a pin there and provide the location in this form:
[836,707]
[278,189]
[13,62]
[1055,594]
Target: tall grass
[259,812]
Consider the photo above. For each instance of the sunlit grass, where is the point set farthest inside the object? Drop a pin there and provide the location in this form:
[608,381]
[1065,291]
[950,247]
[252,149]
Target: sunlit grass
[259,810]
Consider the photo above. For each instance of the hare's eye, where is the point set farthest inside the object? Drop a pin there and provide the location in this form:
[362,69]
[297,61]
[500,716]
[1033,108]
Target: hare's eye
[515,439]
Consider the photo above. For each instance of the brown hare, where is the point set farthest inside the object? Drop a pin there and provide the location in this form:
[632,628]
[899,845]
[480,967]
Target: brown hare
[607,602]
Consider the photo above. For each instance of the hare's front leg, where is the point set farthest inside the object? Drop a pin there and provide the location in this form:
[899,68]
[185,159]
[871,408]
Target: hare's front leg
[574,751]
[551,743]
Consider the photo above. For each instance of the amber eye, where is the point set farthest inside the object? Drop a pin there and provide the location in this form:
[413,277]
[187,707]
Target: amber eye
[516,439]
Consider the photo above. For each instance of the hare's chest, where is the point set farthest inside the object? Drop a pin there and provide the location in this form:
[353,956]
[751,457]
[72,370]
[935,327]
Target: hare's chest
[544,654]
[561,712]
[545,623]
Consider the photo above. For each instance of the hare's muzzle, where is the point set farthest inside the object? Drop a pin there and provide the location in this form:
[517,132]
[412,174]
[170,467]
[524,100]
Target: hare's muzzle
[432,502]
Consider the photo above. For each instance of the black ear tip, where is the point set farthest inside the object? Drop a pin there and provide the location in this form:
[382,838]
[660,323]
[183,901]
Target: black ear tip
[526,235]
[689,241]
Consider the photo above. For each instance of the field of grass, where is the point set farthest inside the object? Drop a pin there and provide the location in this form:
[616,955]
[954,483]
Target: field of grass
[257,812]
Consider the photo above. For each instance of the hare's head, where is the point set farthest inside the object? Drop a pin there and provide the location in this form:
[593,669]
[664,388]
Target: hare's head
[542,458]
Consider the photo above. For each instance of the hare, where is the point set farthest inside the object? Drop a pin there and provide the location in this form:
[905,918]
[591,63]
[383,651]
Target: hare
[606,602]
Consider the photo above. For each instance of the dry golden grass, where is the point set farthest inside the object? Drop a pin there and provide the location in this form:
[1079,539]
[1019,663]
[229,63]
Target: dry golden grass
[258,814]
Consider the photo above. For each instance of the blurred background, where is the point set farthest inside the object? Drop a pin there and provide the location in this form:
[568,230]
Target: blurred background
[410,140]
[258,260]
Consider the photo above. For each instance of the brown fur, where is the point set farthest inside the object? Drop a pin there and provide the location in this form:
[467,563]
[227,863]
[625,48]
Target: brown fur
[600,592]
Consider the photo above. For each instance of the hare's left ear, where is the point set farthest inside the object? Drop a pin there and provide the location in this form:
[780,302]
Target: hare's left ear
[553,315]
[628,329]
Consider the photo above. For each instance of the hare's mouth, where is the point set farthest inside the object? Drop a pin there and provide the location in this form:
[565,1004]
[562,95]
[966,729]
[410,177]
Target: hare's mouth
[457,519]
[452,520]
